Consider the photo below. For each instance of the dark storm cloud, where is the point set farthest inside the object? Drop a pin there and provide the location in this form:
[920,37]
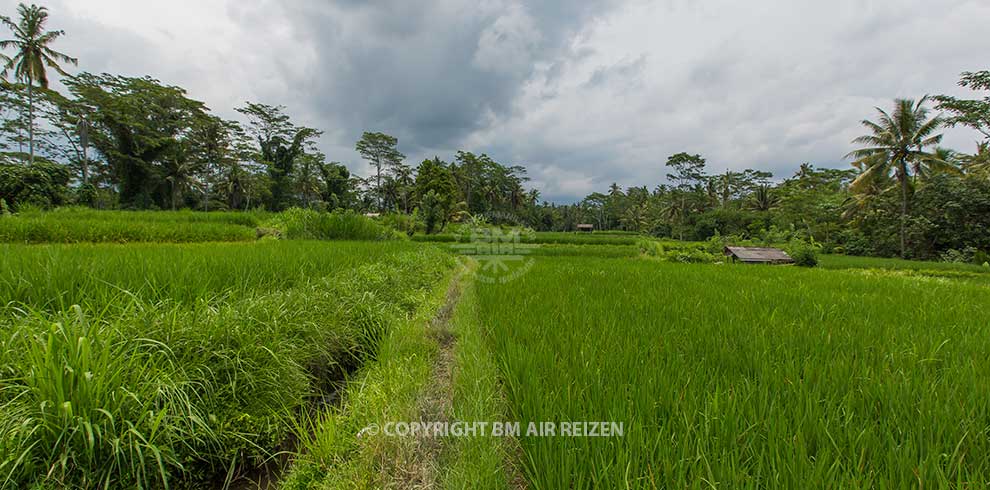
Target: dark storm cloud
[434,72]
[582,93]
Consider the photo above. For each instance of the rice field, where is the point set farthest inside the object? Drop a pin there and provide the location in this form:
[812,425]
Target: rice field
[140,363]
[744,377]
[541,237]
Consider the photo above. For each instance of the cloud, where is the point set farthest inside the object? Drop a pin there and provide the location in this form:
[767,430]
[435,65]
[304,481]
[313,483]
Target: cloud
[582,93]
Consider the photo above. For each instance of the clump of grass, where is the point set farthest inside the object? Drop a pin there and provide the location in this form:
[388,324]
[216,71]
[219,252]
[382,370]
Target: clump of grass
[82,406]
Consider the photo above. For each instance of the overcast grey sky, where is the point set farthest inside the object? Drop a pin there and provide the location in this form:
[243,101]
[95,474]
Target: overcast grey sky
[581,93]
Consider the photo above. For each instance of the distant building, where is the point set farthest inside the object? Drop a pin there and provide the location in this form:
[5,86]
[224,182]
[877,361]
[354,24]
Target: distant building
[586,227]
[758,255]
[372,215]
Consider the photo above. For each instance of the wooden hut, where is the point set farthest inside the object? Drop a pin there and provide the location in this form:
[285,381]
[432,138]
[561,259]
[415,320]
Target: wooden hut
[585,227]
[758,255]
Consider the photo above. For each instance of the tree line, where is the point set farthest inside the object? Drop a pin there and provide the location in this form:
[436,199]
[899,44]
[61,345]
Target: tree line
[113,141]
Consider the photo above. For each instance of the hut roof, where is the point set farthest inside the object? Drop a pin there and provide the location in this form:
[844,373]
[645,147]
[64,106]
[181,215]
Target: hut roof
[759,255]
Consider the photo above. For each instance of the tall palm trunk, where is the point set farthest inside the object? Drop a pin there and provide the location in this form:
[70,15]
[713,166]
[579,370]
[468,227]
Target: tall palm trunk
[904,209]
[31,121]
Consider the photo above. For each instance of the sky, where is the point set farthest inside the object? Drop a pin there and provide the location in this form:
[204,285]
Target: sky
[581,93]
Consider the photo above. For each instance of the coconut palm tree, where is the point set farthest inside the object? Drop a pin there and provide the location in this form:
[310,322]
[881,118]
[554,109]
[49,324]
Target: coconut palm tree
[33,54]
[897,145]
[979,162]
[763,198]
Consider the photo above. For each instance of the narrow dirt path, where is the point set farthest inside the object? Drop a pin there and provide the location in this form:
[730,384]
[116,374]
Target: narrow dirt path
[422,468]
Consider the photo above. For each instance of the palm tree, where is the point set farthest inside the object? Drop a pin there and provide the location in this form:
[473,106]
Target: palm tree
[763,198]
[33,54]
[979,162]
[897,145]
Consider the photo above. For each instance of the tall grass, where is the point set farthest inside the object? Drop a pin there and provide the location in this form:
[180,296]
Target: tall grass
[74,213]
[17,229]
[744,377]
[107,276]
[81,225]
[184,383]
[304,224]
[389,389]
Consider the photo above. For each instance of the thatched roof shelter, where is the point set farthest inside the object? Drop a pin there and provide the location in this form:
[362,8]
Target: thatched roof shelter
[758,255]
[585,227]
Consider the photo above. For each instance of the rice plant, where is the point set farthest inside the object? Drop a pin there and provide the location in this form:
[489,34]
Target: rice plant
[754,377]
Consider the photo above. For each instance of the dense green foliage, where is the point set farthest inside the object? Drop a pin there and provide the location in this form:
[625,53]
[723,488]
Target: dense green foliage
[40,184]
[785,378]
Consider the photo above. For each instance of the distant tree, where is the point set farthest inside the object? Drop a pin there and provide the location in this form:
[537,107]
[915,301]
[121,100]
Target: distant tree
[595,205]
[33,53]
[688,170]
[308,181]
[813,198]
[403,177]
[431,210]
[968,112]
[337,185]
[435,176]
[381,151]
[688,175]
[897,145]
[279,144]
[978,163]
[145,130]
[763,198]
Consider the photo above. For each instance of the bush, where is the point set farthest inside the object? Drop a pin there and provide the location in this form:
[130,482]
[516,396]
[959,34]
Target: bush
[689,253]
[402,223]
[42,183]
[803,253]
